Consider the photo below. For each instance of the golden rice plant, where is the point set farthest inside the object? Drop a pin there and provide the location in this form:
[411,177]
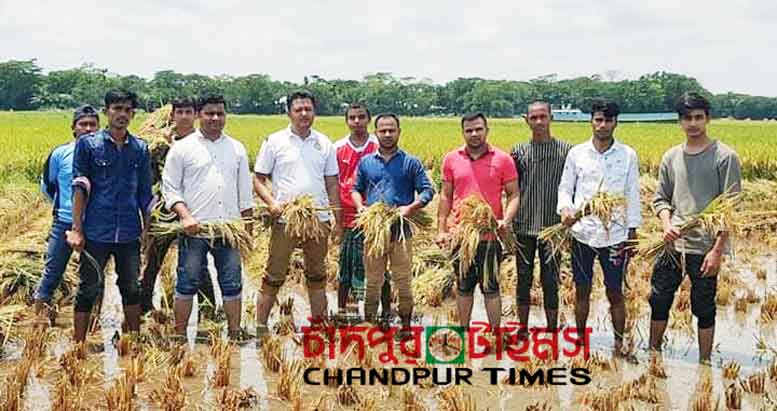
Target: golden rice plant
[754,384]
[411,400]
[220,350]
[347,395]
[717,217]
[232,232]
[289,385]
[233,400]
[272,356]
[432,286]
[379,220]
[301,217]
[171,396]
[769,306]
[733,397]
[731,370]
[602,205]
[539,406]
[704,403]
[452,398]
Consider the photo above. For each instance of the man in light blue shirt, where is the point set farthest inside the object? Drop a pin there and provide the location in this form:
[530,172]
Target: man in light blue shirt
[56,183]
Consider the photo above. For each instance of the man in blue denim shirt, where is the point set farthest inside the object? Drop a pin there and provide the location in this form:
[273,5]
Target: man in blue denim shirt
[55,184]
[393,177]
[112,188]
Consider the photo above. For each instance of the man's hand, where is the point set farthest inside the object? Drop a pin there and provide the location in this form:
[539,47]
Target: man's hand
[443,240]
[276,209]
[671,233]
[405,211]
[75,239]
[568,217]
[190,225]
[502,226]
[631,244]
[337,233]
[711,264]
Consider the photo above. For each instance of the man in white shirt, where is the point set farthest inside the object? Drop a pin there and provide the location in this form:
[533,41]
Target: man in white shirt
[298,160]
[207,179]
[605,164]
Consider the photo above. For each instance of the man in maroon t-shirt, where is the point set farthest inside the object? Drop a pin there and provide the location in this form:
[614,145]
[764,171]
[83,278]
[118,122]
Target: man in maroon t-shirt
[350,150]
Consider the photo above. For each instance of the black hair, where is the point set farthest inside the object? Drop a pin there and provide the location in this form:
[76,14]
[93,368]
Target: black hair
[607,107]
[183,102]
[299,95]
[692,101]
[386,115]
[121,96]
[209,99]
[472,117]
[355,106]
[539,103]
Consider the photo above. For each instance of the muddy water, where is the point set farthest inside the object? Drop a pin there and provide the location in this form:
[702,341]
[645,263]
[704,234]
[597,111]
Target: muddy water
[735,340]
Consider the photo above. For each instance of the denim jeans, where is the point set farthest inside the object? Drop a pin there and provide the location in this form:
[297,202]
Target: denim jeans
[57,257]
[192,255]
[126,257]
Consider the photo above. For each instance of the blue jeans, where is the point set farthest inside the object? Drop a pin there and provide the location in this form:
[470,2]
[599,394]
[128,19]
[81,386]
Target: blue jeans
[126,258]
[612,260]
[57,257]
[192,255]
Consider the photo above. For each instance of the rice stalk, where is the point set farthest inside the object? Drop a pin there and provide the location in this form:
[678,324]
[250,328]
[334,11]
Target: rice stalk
[452,398]
[379,221]
[731,370]
[272,355]
[347,395]
[733,397]
[289,385]
[301,217]
[220,350]
[232,232]
[411,401]
[433,286]
[602,205]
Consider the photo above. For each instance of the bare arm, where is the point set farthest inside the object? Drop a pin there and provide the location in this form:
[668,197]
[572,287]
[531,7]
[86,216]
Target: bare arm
[264,193]
[513,200]
[444,207]
[333,192]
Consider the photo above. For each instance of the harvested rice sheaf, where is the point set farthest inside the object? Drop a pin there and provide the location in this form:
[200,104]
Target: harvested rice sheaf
[231,232]
[301,217]
[432,286]
[602,205]
[377,223]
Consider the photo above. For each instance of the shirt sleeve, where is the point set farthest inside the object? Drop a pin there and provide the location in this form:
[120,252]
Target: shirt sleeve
[82,157]
[172,178]
[662,200]
[447,169]
[265,160]
[245,194]
[633,210]
[422,184]
[48,181]
[331,169]
[509,172]
[360,186]
[730,173]
[144,182]
[566,188]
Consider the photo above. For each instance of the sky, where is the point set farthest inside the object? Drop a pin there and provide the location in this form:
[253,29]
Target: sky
[726,45]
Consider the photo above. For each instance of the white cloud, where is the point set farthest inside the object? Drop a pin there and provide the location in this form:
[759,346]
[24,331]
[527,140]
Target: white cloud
[727,46]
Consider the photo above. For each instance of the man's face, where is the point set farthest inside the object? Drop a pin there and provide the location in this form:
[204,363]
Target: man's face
[213,117]
[119,114]
[538,119]
[694,123]
[357,120]
[183,117]
[387,132]
[302,113]
[85,125]
[602,126]
[475,133]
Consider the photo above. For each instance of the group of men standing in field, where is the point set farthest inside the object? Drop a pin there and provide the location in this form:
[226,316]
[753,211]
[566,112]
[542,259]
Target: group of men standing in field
[206,178]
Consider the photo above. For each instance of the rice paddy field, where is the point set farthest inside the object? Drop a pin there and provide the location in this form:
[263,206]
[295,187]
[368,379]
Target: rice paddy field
[40,369]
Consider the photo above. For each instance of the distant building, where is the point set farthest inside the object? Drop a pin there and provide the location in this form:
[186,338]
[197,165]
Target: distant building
[574,114]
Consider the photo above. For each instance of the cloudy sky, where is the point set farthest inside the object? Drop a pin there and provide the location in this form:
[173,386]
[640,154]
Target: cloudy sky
[727,45]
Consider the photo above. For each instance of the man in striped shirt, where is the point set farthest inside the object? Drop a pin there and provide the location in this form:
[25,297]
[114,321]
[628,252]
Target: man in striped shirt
[540,162]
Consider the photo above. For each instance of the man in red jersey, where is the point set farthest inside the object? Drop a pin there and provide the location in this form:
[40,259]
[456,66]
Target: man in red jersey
[351,149]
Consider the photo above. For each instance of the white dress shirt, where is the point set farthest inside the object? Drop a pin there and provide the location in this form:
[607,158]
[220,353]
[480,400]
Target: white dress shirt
[298,166]
[616,171]
[212,178]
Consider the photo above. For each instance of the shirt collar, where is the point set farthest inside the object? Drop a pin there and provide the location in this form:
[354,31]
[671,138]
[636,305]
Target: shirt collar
[108,137]
[398,154]
[463,151]
[614,147]
[312,137]
[202,136]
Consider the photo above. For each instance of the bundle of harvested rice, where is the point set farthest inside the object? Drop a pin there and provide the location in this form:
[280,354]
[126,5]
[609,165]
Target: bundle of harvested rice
[19,276]
[379,221]
[602,205]
[301,217]
[156,130]
[475,219]
[717,217]
[433,286]
[232,232]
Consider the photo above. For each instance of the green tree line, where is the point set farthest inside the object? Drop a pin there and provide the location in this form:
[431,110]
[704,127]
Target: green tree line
[24,86]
